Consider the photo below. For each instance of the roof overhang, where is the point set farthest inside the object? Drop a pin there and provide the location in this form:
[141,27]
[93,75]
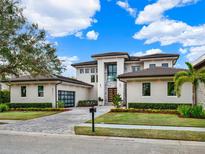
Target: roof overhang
[153,78]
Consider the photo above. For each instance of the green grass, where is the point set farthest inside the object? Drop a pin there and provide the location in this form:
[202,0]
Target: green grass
[18,115]
[142,133]
[149,119]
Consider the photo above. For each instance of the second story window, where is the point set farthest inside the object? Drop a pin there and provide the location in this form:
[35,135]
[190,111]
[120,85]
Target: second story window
[96,78]
[165,65]
[87,70]
[92,78]
[135,68]
[93,70]
[152,65]
[81,71]
[112,72]
[23,91]
[40,91]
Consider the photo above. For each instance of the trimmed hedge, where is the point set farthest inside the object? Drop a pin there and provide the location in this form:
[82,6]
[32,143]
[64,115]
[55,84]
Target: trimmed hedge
[159,106]
[39,109]
[29,105]
[87,103]
[146,111]
[4,96]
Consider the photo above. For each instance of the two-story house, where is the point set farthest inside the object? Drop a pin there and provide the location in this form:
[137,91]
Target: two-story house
[144,79]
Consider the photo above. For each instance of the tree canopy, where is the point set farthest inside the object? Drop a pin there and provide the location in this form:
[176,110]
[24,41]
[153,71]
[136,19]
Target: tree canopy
[23,46]
[191,75]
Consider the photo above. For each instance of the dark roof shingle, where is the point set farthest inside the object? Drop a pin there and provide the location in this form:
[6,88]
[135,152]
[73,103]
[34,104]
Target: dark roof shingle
[85,63]
[110,54]
[152,72]
[29,78]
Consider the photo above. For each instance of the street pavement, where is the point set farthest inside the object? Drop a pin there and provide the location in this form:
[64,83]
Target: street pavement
[11,143]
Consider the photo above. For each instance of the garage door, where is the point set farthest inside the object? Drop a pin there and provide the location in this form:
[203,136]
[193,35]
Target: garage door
[68,97]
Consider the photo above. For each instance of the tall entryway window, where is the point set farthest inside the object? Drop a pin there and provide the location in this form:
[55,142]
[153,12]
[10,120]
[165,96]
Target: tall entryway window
[112,72]
[68,97]
[111,93]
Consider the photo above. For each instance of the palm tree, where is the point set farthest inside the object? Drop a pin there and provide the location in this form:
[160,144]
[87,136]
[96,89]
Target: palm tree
[191,75]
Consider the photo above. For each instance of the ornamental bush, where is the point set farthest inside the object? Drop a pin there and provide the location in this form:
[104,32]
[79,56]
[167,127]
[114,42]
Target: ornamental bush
[87,103]
[4,108]
[4,96]
[30,105]
[191,112]
[117,101]
[159,106]
[184,111]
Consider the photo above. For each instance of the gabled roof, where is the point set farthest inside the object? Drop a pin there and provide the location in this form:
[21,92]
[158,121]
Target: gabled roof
[152,72]
[110,54]
[159,55]
[85,63]
[29,78]
[200,62]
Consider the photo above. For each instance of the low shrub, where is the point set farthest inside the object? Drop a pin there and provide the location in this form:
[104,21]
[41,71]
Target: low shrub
[87,103]
[60,104]
[184,111]
[191,112]
[117,101]
[4,96]
[30,105]
[39,109]
[3,107]
[158,106]
[144,111]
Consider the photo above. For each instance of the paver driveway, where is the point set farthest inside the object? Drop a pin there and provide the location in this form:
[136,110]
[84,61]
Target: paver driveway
[62,123]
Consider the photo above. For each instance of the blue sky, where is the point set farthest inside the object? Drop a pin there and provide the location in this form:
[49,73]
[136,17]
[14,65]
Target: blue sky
[82,28]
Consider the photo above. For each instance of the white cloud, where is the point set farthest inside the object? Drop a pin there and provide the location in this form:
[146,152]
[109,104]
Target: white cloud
[79,35]
[125,5]
[195,52]
[170,31]
[67,61]
[155,11]
[62,17]
[148,52]
[183,50]
[92,35]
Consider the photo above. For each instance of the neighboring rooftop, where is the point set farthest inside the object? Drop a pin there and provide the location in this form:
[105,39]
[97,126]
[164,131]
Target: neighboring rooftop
[29,78]
[152,72]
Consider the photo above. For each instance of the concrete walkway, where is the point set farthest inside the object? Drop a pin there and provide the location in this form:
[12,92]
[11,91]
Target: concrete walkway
[195,129]
[62,123]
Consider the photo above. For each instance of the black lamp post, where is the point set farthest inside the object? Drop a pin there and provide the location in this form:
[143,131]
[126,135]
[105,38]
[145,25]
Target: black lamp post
[93,110]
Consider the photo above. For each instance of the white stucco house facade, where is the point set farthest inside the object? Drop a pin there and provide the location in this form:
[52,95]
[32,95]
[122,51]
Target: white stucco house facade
[200,64]
[145,79]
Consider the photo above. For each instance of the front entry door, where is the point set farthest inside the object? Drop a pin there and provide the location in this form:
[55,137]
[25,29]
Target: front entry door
[111,93]
[68,97]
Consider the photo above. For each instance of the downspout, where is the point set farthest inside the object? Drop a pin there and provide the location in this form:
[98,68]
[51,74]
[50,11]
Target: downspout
[56,92]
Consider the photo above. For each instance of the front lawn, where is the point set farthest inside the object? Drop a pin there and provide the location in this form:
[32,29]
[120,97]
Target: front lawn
[142,133]
[19,115]
[149,119]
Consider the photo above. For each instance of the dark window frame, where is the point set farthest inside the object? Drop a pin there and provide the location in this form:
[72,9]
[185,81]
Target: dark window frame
[23,91]
[167,65]
[92,78]
[112,72]
[40,91]
[82,71]
[152,65]
[171,89]
[87,71]
[135,68]
[146,89]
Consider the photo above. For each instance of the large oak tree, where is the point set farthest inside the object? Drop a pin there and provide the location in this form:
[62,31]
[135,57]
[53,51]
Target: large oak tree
[23,46]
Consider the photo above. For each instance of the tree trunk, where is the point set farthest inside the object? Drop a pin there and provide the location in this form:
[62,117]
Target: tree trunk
[194,97]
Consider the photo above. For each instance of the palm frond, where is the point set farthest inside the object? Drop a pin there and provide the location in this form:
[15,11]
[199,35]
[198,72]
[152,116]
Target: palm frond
[201,70]
[179,82]
[180,74]
[190,67]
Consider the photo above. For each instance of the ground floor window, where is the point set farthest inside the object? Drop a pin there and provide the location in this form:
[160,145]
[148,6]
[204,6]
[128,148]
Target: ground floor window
[170,89]
[92,78]
[68,97]
[146,89]
[40,91]
[23,91]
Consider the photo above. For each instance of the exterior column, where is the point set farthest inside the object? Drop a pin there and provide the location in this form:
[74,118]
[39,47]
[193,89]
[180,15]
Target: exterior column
[120,70]
[101,79]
